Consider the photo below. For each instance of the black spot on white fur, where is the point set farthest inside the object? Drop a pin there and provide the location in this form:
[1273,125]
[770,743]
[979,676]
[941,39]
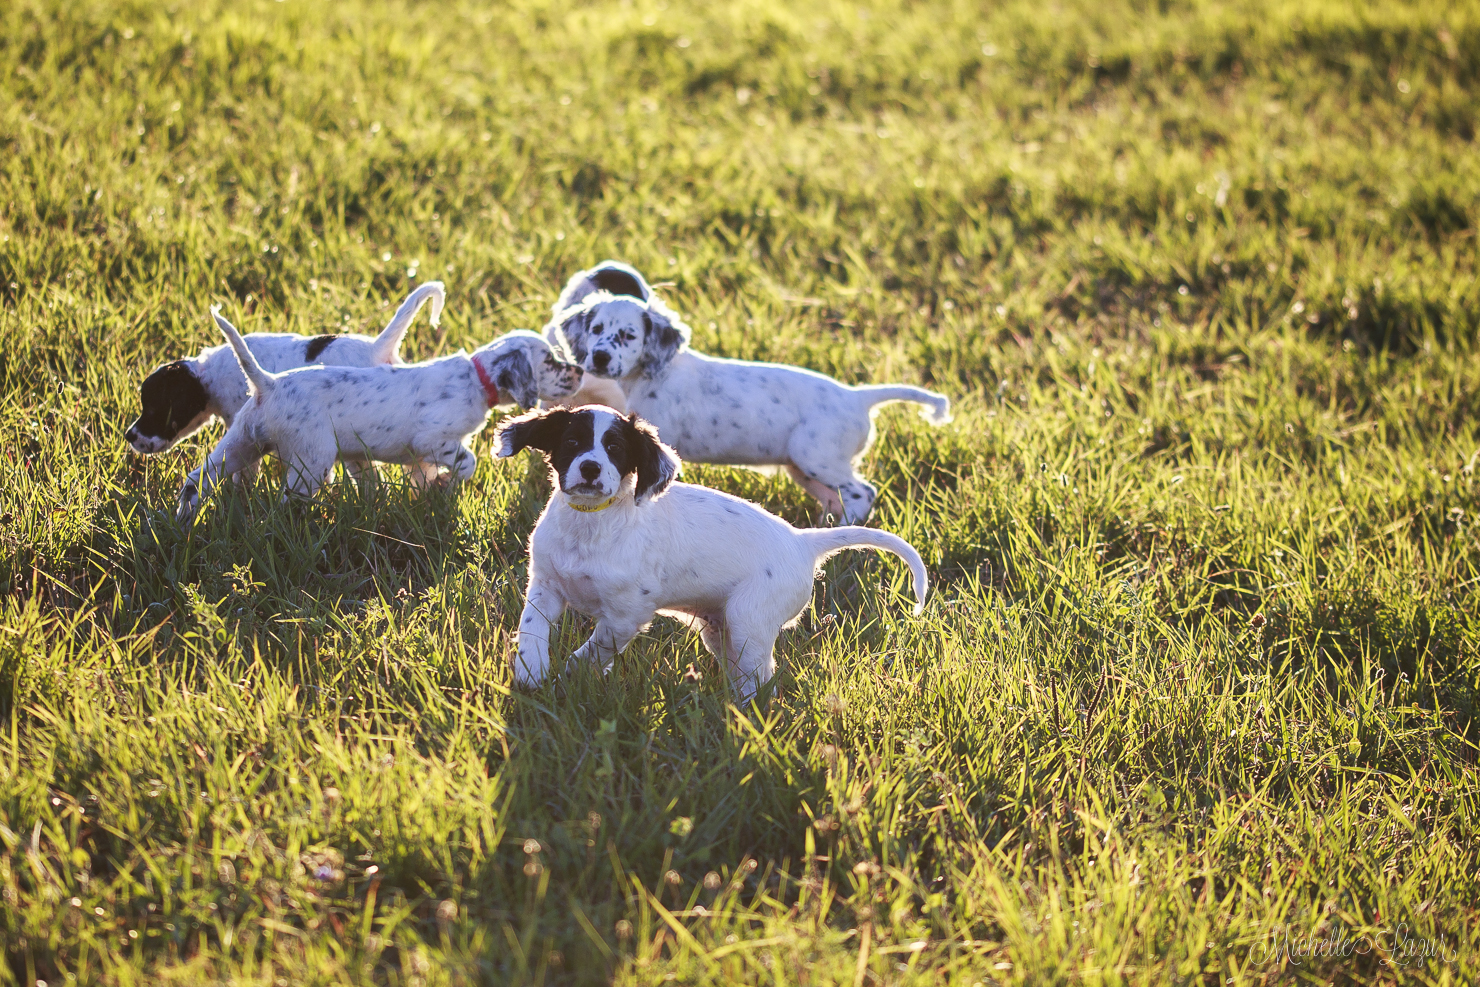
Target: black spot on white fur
[316,346]
[618,282]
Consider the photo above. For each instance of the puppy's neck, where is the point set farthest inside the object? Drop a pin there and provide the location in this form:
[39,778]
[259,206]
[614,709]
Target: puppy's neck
[485,379]
[599,510]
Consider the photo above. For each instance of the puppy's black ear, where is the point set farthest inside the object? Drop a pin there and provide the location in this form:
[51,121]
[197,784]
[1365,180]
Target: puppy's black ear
[664,337]
[657,465]
[573,332]
[536,430]
[513,373]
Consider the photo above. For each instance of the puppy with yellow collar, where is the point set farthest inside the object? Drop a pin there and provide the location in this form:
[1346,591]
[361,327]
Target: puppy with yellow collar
[622,542]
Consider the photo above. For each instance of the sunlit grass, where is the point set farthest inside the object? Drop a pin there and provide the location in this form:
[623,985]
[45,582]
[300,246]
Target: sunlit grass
[1199,671]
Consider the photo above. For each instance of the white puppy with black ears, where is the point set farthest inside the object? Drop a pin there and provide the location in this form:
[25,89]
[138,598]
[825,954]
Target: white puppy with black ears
[422,414]
[622,542]
[735,412]
[180,397]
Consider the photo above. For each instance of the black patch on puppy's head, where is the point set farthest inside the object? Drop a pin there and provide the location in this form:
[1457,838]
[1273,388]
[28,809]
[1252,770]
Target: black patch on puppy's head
[539,430]
[619,282]
[172,398]
[316,346]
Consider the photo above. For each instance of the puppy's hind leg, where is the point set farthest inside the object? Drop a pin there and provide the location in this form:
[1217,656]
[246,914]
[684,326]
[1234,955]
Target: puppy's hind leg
[359,470]
[821,460]
[712,633]
[309,468]
[751,627]
[754,615]
[422,475]
[750,657]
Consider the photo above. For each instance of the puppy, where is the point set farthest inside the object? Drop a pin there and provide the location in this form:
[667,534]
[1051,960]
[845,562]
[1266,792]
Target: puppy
[621,542]
[420,414]
[180,397]
[735,412]
[619,279]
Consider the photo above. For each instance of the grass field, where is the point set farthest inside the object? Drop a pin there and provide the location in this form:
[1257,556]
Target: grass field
[1195,695]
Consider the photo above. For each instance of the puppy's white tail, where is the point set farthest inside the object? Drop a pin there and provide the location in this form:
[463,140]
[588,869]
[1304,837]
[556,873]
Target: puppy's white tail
[388,344]
[829,541]
[937,407]
[259,381]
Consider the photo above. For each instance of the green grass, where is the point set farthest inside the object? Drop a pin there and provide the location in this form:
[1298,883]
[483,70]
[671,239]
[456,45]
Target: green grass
[1201,664]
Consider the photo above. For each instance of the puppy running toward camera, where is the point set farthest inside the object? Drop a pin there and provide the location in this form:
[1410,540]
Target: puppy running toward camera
[735,412]
[179,398]
[621,542]
[420,414]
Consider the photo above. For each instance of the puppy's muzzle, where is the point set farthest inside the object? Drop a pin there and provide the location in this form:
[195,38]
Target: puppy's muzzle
[143,444]
[600,359]
[590,472]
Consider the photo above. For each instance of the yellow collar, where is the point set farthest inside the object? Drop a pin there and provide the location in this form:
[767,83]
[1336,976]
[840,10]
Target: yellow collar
[592,510]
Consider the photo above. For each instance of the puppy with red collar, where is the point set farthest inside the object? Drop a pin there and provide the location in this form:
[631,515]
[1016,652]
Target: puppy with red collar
[420,414]
[622,542]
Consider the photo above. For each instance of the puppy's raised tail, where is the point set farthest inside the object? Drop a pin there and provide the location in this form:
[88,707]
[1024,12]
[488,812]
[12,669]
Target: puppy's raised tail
[827,542]
[937,409]
[387,345]
[259,381]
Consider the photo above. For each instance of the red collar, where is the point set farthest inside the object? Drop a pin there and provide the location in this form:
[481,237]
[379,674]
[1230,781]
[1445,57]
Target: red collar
[490,389]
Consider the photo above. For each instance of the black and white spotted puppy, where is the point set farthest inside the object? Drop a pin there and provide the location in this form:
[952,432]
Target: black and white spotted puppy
[618,279]
[421,414]
[622,542]
[736,412]
[182,396]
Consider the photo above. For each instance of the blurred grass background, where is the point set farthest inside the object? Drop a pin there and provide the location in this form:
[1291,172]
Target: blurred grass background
[1199,672]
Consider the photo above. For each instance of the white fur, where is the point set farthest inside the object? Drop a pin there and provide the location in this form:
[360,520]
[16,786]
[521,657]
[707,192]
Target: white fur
[422,415]
[736,412]
[721,565]
[218,372]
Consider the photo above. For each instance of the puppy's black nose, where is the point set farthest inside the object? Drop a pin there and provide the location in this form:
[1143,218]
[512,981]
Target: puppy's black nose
[601,358]
[590,470]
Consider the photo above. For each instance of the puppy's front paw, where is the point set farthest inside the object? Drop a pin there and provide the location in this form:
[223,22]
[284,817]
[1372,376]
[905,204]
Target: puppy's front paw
[528,675]
[188,502]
